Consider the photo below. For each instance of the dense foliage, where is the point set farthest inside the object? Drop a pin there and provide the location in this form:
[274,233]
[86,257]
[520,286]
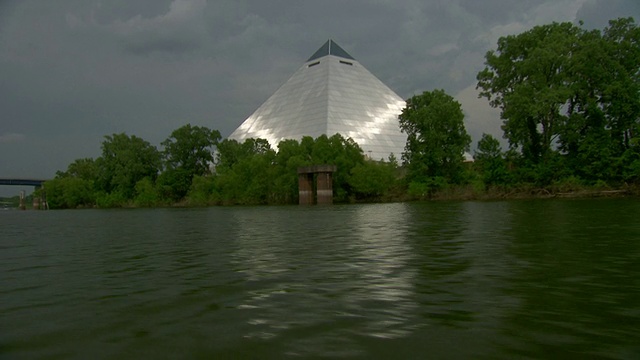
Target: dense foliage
[569,99]
[436,140]
[196,168]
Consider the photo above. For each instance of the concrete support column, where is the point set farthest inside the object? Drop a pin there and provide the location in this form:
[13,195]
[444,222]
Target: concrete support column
[305,188]
[325,188]
[22,205]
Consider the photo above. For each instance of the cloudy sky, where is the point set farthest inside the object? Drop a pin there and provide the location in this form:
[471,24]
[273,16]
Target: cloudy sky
[73,71]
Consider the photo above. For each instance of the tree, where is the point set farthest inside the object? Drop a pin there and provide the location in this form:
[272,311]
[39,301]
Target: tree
[622,96]
[188,152]
[604,106]
[174,183]
[526,78]
[190,148]
[126,160]
[231,151]
[291,155]
[372,179]
[336,150]
[436,137]
[252,173]
[244,171]
[489,160]
[85,169]
[146,193]
[569,97]
[74,187]
[69,192]
[203,191]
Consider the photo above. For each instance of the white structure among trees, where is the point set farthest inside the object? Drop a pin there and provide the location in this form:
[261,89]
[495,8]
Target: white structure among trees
[331,93]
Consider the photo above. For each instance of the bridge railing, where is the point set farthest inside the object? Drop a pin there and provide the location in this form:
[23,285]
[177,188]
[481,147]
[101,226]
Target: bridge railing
[22,182]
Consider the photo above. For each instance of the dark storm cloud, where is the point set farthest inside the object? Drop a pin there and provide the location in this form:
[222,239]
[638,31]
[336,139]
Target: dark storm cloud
[73,71]
[181,29]
[108,12]
[172,46]
[597,13]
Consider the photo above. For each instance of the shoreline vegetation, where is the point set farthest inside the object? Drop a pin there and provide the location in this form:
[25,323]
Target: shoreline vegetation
[570,105]
[457,193]
[453,193]
[538,193]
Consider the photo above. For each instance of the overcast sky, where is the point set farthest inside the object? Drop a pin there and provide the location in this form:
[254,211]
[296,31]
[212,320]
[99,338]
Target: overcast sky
[73,71]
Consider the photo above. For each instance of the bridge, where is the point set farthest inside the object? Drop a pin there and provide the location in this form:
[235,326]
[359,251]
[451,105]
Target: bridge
[22,182]
[39,202]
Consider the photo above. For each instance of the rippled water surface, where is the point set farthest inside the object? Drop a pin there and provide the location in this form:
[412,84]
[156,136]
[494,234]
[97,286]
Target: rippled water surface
[517,279]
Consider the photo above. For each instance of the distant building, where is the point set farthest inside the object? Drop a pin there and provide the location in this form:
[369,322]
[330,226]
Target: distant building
[331,93]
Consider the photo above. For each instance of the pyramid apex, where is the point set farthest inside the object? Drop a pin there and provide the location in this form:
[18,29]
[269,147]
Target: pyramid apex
[330,48]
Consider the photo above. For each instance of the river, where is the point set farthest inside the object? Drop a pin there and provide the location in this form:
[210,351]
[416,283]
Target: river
[489,280]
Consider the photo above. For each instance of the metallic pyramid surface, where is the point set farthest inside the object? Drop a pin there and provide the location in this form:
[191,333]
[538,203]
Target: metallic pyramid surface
[331,93]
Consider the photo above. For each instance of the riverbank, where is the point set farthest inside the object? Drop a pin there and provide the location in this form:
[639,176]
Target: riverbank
[468,192]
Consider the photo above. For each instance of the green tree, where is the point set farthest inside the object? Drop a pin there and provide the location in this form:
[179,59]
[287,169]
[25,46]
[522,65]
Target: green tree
[146,193]
[203,191]
[436,137]
[340,151]
[190,148]
[568,97]
[604,106]
[489,160]
[188,152]
[622,99]
[372,179]
[629,162]
[252,173]
[69,193]
[85,169]
[291,155]
[74,187]
[526,78]
[244,171]
[231,151]
[126,160]
[173,184]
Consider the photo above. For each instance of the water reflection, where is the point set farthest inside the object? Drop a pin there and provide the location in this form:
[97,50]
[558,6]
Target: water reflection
[442,262]
[332,273]
[577,281]
[384,287]
[438,280]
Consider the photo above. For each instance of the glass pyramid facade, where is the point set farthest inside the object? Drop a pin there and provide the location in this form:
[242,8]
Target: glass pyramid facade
[331,93]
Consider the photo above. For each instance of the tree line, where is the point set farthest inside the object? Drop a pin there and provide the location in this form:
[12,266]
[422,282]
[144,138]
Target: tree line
[569,100]
[196,167]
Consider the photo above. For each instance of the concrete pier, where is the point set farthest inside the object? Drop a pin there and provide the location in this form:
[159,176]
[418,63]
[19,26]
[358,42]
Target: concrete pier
[324,184]
[22,205]
[305,188]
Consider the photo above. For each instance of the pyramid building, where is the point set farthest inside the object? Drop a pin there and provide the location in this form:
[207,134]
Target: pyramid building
[331,93]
